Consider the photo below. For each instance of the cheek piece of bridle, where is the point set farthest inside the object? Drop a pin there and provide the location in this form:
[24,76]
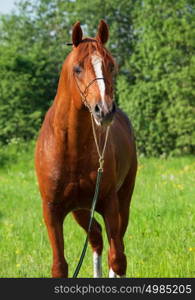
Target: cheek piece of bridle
[100,169]
[85,92]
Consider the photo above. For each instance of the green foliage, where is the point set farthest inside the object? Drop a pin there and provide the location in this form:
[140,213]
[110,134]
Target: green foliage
[159,95]
[153,42]
[30,60]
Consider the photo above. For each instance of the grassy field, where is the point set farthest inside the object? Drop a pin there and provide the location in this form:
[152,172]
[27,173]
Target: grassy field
[160,240]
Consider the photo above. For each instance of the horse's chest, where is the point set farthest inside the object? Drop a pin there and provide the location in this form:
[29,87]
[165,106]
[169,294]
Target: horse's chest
[79,186]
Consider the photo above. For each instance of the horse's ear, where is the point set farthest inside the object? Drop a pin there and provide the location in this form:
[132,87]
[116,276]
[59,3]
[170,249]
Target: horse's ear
[103,32]
[77,34]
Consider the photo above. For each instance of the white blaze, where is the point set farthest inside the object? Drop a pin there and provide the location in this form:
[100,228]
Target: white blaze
[97,65]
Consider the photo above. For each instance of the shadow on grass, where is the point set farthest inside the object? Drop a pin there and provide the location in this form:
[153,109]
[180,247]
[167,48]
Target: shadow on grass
[6,159]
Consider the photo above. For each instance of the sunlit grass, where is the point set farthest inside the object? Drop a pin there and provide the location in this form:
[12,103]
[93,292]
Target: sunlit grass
[160,240]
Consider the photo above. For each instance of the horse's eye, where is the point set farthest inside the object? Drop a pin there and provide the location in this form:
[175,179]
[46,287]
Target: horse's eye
[77,69]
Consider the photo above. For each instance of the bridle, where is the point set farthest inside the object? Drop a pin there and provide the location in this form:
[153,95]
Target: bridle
[85,92]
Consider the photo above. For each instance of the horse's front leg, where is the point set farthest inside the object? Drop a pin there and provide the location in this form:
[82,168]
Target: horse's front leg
[54,217]
[116,258]
[95,238]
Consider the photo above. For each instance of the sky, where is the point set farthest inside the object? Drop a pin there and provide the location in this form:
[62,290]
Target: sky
[6,6]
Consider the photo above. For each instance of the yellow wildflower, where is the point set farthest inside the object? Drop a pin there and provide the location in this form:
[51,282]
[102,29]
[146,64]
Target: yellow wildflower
[186,168]
[180,187]
[191,249]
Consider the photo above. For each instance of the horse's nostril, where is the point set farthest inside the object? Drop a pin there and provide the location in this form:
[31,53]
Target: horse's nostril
[97,109]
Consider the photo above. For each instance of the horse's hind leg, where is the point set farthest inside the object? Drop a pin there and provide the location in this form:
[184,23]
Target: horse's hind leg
[54,217]
[95,238]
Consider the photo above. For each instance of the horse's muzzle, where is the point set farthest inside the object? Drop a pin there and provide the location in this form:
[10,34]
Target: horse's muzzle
[104,116]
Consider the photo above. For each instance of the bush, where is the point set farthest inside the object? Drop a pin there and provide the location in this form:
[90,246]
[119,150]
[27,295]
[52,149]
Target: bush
[30,66]
[159,93]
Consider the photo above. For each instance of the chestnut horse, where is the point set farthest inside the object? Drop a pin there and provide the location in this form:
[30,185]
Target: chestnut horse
[67,159]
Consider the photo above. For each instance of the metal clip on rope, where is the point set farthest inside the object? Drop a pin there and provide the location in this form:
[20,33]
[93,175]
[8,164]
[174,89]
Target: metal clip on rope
[101,164]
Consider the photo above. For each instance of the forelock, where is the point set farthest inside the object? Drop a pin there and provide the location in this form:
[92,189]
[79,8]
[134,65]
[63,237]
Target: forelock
[88,47]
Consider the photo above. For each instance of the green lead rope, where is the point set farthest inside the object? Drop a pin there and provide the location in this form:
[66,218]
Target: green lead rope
[95,197]
[97,187]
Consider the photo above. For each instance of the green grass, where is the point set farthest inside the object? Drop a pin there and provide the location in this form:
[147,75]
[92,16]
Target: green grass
[160,240]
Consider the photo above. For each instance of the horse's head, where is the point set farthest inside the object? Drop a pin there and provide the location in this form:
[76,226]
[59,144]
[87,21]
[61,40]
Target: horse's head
[92,68]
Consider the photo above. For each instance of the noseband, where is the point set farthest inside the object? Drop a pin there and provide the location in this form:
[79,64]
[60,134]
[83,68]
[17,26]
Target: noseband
[85,92]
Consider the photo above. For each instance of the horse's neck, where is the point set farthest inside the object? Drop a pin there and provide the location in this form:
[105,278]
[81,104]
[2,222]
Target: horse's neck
[72,126]
[73,129]
[79,130]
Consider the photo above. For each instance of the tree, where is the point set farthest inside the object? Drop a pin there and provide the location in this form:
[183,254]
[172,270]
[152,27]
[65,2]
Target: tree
[159,94]
[30,59]
[152,41]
